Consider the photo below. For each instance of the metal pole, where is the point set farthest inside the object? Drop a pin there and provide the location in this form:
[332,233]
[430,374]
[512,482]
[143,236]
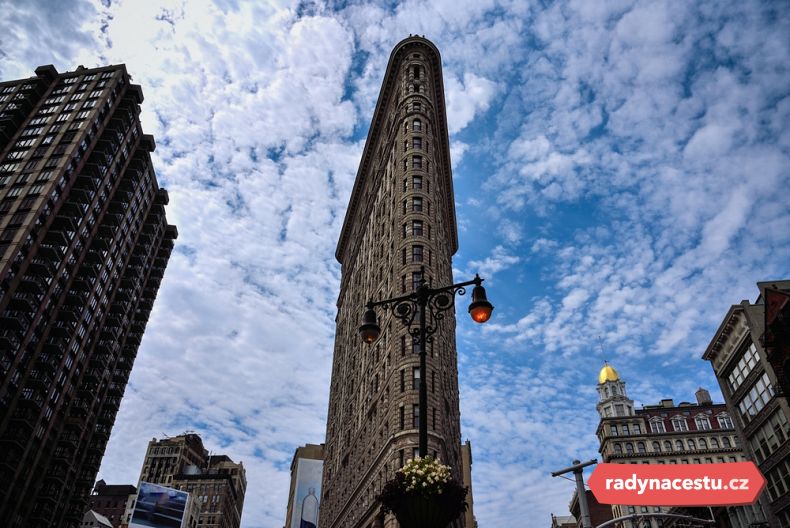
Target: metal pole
[422,303]
[585,510]
[578,470]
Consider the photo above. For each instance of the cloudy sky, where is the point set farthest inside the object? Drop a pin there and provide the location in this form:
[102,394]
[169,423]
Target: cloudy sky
[621,172]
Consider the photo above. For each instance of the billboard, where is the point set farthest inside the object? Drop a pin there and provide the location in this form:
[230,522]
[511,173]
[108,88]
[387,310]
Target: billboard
[159,507]
[306,493]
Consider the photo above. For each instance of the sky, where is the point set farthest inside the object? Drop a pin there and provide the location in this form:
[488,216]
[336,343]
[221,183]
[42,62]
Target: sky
[620,168]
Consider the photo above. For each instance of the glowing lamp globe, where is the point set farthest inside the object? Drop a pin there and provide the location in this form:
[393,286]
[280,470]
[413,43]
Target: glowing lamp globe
[480,309]
[369,330]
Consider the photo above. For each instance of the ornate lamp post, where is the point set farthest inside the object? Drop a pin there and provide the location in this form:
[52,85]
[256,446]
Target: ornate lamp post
[415,305]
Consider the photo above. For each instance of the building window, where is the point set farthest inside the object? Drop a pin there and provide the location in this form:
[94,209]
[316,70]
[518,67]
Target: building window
[668,446]
[656,447]
[618,449]
[679,424]
[754,401]
[629,448]
[402,417]
[770,436]
[417,124]
[416,162]
[640,446]
[416,182]
[626,431]
[657,426]
[415,414]
[402,380]
[416,143]
[416,227]
[416,106]
[714,443]
[416,280]
[725,422]
[744,365]
[692,444]
[703,424]
[415,378]
[679,445]
[416,253]
[703,444]
[613,428]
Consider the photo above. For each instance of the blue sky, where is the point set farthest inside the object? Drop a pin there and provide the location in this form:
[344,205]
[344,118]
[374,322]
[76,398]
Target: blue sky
[621,171]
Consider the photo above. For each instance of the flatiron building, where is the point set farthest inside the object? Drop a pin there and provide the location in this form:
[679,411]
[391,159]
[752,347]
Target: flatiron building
[399,228]
[83,246]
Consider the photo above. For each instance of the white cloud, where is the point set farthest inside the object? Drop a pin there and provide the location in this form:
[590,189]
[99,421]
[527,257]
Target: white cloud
[637,149]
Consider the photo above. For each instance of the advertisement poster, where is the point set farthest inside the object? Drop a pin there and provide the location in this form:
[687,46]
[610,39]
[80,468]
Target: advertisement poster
[307,493]
[159,507]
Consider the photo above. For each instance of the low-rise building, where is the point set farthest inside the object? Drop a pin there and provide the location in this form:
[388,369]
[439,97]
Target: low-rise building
[700,432]
[110,500]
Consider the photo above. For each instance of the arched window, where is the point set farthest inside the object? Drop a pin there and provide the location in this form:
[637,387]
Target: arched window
[640,446]
[656,447]
[417,125]
[618,449]
[629,448]
[725,441]
[703,444]
[692,444]
[667,445]
[679,444]
[714,443]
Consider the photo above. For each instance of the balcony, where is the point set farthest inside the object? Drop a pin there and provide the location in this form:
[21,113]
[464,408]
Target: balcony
[85,182]
[27,285]
[50,253]
[40,268]
[80,285]
[79,196]
[21,303]
[79,408]
[63,222]
[13,323]
[70,440]
[112,219]
[59,330]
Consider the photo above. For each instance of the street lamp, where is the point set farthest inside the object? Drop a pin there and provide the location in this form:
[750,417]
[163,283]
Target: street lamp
[414,305]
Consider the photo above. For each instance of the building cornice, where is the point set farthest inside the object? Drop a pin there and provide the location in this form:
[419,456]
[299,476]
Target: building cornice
[356,206]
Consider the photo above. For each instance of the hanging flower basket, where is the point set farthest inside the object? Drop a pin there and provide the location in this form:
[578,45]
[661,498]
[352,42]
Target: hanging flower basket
[424,495]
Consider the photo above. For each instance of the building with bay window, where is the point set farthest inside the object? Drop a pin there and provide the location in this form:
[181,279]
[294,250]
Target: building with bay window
[751,375]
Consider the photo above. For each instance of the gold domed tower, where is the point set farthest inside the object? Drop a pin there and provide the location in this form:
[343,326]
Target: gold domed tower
[612,397]
[608,373]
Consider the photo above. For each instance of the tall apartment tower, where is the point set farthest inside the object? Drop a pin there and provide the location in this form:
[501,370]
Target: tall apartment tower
[215,481]
[400,224]
[83,246]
